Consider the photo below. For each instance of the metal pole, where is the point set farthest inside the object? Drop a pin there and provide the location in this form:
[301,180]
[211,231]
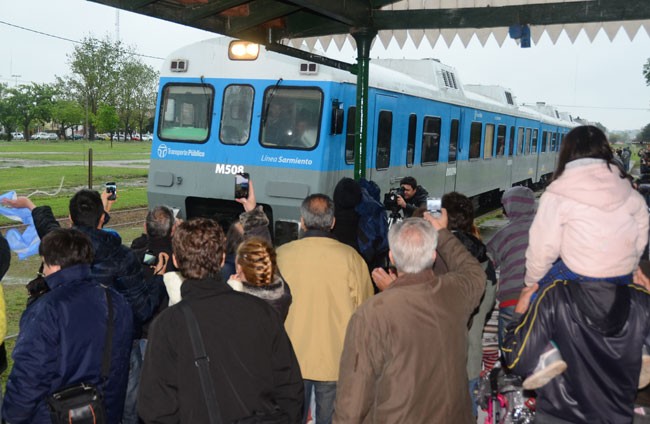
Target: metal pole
[363,38]
[90,169]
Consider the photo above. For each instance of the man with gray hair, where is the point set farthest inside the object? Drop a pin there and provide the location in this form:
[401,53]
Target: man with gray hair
[328,281]
[405,353]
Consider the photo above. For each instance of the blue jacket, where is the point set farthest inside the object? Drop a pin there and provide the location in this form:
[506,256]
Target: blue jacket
[61,342]
[115,265]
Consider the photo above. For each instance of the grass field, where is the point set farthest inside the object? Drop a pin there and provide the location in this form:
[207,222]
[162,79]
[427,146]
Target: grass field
[21,171]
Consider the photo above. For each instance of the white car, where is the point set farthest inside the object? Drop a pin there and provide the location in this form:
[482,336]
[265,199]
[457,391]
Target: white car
[146,137]
[17,136]
[45,136]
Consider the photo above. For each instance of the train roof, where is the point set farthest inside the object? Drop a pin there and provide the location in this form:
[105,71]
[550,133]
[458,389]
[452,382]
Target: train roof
[427,78]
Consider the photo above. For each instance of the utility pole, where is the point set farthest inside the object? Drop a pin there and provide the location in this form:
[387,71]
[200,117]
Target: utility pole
[15,76]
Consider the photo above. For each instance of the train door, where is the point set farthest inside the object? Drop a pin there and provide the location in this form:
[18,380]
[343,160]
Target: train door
[510,153]
[380,140]
[454,148]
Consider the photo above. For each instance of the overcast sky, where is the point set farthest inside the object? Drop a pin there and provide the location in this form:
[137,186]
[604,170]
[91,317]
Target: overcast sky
[601,81]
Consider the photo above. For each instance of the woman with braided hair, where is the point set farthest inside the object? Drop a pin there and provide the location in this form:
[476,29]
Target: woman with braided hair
[258,275]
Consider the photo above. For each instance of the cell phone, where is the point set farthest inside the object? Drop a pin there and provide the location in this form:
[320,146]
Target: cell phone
[111,188]
[241,185]
[149,258]
[434,204]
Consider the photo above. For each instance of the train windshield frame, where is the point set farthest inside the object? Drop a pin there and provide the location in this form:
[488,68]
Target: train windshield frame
[186,112]
[291,117]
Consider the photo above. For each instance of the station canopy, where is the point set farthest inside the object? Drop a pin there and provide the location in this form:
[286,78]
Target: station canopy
[297,23]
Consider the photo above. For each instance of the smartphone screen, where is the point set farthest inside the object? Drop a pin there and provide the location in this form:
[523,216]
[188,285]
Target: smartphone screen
[112,189]
[241,185]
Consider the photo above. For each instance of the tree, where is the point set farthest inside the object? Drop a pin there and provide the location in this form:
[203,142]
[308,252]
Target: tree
[107,120]
[8,117]
[644,135]
[137,94]
[646,72]
[66,114]
[32,102]
[96,72]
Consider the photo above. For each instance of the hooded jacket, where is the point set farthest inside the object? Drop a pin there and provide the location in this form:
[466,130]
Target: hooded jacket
[507,247]
[590,217]
[600,329]
[61,342]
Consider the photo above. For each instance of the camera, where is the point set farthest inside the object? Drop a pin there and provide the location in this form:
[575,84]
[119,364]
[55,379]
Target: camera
[390,198]
[150,258]
[434,204]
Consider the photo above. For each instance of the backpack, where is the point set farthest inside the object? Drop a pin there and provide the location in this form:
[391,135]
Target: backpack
[372,235]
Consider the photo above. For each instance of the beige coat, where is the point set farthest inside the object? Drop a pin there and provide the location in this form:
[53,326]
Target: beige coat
[406,349]
[328,281]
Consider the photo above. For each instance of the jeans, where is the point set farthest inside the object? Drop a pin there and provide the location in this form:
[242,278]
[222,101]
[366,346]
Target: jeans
[325,393]
[130,414]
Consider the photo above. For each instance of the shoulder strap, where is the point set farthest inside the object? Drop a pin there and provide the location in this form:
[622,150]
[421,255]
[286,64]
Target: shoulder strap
[108,345]
[202,362]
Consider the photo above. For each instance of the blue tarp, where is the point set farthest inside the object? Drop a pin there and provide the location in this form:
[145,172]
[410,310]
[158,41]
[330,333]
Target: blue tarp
[25,244]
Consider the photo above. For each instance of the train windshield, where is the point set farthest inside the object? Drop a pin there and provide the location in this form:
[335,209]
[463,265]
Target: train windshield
[185,112]
[291,117]
[236,114]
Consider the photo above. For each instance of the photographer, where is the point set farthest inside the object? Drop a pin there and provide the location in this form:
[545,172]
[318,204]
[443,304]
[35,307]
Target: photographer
[411,196]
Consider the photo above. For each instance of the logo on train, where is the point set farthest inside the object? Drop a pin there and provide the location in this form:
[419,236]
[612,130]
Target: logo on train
[162,150]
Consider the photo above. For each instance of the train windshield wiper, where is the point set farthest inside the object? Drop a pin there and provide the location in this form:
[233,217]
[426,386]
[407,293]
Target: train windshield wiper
[268,102]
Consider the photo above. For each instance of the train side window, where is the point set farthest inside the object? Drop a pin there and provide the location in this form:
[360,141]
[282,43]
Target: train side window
[349,135]
[544,139]
[511,142]
[431,139]
[520,141]
[554,137]
[384,135]
[410,141]
[453,141]
[475,140]
[527,142]
[489,141]
[186,113]
[533,143]
[236,113]
[501,140]
[291,117]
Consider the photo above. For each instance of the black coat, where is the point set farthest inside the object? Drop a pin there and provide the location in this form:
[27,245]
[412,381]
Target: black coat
[600,329]
[418,200]
[161,248]
[5,256]
[115,265]
[243,336]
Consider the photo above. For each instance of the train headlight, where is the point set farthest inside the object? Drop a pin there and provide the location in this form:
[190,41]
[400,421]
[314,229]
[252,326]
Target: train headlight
[243,50]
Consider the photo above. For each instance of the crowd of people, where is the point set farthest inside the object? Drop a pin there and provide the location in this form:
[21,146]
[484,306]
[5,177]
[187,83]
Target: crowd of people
[352,322]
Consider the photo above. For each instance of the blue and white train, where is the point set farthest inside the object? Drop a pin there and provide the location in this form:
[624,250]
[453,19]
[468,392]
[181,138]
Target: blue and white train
[290,124]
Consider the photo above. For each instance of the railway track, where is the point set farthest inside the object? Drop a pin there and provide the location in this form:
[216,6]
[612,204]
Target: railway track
[119,218]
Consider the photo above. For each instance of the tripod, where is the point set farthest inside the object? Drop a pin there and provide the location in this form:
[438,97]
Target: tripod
[394,217]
